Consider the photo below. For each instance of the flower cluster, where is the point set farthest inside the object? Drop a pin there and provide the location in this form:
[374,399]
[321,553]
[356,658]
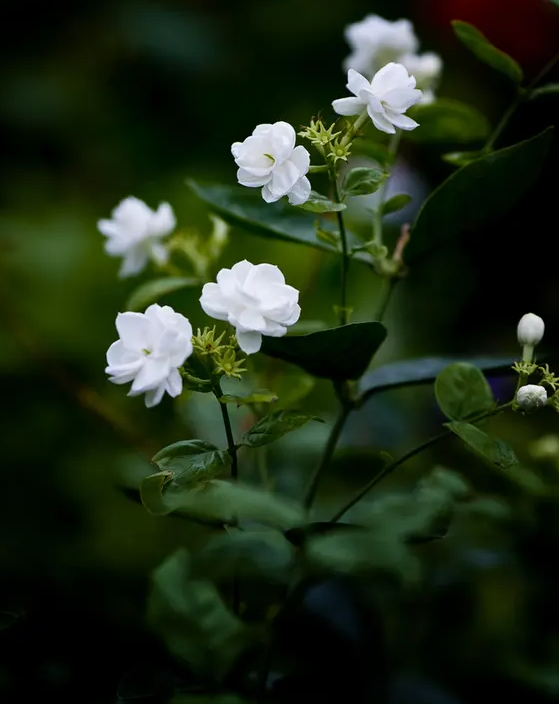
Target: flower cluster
[374,42]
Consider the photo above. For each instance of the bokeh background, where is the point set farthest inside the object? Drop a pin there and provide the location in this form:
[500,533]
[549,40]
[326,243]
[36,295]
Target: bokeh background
[101,100]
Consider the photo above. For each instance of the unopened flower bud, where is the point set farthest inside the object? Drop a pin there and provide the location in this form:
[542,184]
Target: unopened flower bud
[531,397]
[530,329]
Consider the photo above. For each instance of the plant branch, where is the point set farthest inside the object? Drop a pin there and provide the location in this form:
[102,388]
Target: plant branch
[231,447]
[345,252]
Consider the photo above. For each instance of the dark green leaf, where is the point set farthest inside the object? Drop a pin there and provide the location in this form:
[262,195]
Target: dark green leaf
[223,502]
[477,194]
[462,158]
[274,426]
[317,203]
[195,624]
[462,391]
[424,370]
[266,555]
[361,181]
[479,45]
[260,396]
[338,353]
[548,89]
[151,493]
[244,208]
[192,461]
[396,203]
[293,386]
[448,122]
[153,291]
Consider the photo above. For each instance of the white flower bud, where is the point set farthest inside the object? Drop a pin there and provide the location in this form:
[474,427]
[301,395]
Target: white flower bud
[530,329]
[531,397]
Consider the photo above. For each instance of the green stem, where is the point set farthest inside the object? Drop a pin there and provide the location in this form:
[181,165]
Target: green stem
[389,468]
[388,286]
[345,252]
[377,217]
[326,455]
[231,447]
[354,129]
[318,169]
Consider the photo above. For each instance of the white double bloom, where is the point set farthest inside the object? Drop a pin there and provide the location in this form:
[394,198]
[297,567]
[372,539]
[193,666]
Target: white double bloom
[152,347]
[254,299]
[269,159]
[135,233]
[386,98]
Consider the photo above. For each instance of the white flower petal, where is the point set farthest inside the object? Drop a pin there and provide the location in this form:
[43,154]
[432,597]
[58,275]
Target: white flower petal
[249,342]
[268,196]
[401,99]
[174,383]
[109,228]
[245,178]
[153,396]
[284,178]
[134,329]
[282,141]
[403,122]
[151,375]
[381,122]
[251,320]
[163,221]
[159,253]
[134,261]
[348,106]
[301,159]
[213,302]
[300,192]
[390,76]
[356,82]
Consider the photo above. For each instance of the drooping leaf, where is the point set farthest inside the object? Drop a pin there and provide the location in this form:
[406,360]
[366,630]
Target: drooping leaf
[190,615]
[223,502]
[362,181]
[244,208]
[547,89]
[396,203]
[192,461]
[153,291]
[274,426]
[317,203]
[424,370]
[479,193]
[151,493]
[462,391]
[499,454]
[338,353]
[448,122]
[260,396]
[265,555]
[479,45]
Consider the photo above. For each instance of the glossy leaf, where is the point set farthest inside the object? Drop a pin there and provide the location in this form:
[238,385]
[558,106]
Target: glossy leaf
[424,370]
[317,203]
[191,617]
[153,291]
[274,426]
[477,194]
[244,208]
[448,122]
[479,45]
[548,89]
[260,396]
[265,555]
[338,353]
[192,461]
[362,181]
[462,391]
[396,203]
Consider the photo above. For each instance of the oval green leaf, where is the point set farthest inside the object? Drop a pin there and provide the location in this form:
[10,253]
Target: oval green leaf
[477,194]
[261,396]
[192,461]
[338,353]
[274,426]
[362,181]
[317,203]
[462,391]
[396,203]
[481,47]
[448,122]
[153,291]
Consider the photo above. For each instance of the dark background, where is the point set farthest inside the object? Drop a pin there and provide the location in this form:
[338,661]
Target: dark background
[100,100]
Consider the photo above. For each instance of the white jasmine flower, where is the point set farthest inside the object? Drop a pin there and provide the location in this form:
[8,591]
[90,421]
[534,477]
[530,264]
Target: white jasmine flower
[426,69]
[135,233]
[152,347]
[254,299]
[531,397]
[270,159]
[391,92]
[530,329]
[375,42]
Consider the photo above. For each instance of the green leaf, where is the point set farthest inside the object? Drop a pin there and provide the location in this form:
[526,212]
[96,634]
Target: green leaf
[317,203]
[477,194]
[377,151]
[462,158]
[274,426]
[462,391]
[396,203]
[499,454]
[338,353]
[548,89]
[244,208]
[362,181]
[151,493]
[189,614]
[227,503]
[448,122]
[265,555]
[293,386]
[260,396]
[152,291]
[424,370]
[192,461]
[479,45]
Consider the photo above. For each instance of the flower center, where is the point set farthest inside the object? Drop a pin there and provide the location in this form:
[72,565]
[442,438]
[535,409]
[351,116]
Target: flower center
[146,352]
[271,158]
